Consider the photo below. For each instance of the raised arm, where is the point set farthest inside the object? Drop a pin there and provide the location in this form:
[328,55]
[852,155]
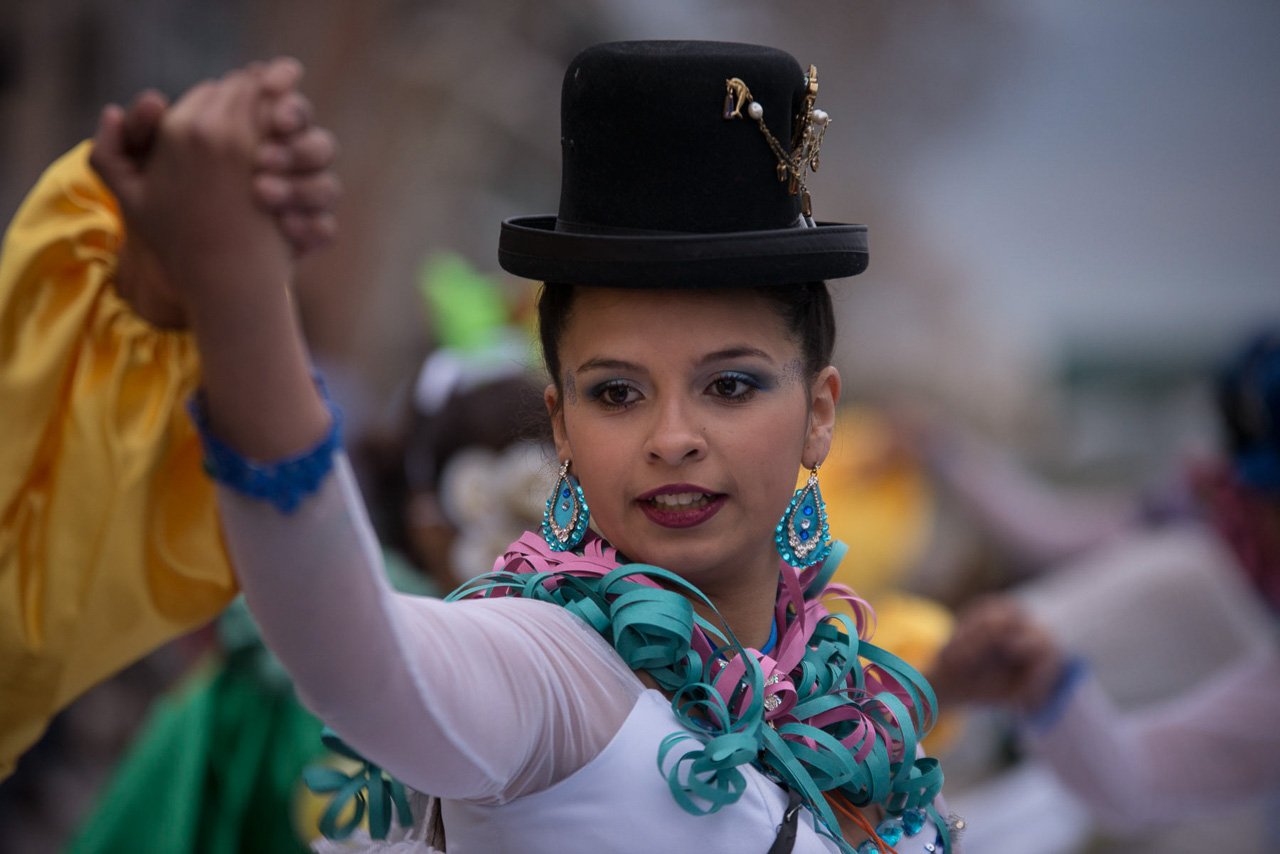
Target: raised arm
[478,700]
[231,268]
[109,543]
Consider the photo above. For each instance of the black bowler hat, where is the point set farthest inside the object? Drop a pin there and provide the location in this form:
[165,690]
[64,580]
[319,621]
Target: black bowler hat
[685,164]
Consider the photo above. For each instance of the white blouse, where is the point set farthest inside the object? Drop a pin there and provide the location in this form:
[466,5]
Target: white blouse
[516,713]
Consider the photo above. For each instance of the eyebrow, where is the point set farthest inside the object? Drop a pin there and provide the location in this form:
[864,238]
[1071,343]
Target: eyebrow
[735,353]
[609,364]
[717,356]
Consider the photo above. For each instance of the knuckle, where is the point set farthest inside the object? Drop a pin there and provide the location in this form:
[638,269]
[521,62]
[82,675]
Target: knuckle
[271,188]
[200,130]
[326,145]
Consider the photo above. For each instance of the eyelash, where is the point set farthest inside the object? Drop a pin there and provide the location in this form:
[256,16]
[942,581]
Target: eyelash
[598,394]
[752,385]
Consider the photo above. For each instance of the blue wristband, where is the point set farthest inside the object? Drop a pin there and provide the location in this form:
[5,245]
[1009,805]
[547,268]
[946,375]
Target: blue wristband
[283,483]
[1047,716]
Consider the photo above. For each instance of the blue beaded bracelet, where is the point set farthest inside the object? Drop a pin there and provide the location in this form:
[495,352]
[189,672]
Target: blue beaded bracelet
[283,483]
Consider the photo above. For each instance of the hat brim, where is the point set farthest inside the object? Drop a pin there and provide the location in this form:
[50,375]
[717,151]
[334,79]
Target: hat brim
[533,248]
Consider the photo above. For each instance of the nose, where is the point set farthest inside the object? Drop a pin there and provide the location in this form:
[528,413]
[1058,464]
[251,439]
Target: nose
[674,436]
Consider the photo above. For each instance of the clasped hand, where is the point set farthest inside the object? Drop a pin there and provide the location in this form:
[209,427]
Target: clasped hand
[998,654]
[225,188]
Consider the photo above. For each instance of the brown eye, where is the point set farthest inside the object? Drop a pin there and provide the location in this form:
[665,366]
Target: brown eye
[726,387]
[733,387]
[617,394]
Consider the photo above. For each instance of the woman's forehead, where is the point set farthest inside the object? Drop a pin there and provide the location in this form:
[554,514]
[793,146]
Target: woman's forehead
[690,322]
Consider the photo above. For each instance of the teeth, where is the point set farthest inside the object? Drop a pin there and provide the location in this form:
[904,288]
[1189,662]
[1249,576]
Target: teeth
[680,500]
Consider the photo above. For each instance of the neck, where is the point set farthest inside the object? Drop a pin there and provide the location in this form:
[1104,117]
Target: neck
[745,601]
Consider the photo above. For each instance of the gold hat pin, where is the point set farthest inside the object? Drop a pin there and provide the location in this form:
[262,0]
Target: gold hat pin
[806,140]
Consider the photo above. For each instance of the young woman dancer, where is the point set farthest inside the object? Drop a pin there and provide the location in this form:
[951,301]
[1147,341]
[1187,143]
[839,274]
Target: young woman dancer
[676,680]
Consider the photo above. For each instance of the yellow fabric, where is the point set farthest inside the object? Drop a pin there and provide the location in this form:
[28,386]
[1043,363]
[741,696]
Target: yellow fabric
[879,502]
[96,449]
[878,499]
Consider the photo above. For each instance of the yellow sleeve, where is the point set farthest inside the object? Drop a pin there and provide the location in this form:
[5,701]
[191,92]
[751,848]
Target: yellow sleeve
[109,538]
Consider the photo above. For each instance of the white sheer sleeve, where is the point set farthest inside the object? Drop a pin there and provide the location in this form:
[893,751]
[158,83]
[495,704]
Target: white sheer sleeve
[483,700]
[1209,747]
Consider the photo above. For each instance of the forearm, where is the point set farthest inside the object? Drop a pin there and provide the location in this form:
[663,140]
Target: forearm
[1204,750]
[190,202]
[260,393]
[140,282]
[474,700]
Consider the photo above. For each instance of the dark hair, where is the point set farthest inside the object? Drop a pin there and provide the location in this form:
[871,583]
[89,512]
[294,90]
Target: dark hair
[1248,390]
[805,308]
[411,457]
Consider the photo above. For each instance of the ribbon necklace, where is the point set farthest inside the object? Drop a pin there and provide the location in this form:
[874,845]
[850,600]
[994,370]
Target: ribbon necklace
[806,710]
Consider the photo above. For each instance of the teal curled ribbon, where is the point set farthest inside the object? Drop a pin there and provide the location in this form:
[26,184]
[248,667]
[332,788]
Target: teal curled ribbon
[835,723]
[368,787]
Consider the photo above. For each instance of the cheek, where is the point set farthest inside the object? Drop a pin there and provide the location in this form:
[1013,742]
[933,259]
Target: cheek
[768,451]
[598,451]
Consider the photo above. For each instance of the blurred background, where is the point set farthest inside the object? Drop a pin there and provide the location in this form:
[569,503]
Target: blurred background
[1072,208]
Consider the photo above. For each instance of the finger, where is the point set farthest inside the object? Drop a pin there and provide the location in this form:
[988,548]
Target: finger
[289,114]
[239,96]
[194,106]
[316,192]
[306,233]
[312,150]
[281,75]
[141,122]
[272,156]
[108,158]
[308,194]
[271,191]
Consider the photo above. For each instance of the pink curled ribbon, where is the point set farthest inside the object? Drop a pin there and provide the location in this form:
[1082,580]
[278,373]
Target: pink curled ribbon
[810,713]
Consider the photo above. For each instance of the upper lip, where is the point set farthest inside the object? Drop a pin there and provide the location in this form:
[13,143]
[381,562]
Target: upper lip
[675,489]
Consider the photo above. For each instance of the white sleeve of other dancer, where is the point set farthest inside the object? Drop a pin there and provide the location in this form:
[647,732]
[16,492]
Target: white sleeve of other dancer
[1206,749]
[482,700]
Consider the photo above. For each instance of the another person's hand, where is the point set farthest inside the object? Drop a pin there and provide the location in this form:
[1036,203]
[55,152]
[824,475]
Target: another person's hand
[292,181]
[997,654]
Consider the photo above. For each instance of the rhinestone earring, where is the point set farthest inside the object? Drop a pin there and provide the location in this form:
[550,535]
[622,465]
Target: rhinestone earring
[565,521]
[803,536]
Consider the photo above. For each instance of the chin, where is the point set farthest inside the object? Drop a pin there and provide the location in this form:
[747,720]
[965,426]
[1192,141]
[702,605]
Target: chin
[691,558]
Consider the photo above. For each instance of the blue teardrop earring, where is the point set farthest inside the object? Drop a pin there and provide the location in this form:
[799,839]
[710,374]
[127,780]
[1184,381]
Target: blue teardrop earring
[564,523]
[803,537]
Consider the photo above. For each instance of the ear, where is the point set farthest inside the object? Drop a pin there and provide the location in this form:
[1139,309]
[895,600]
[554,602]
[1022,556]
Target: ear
[555,410]
[824,397]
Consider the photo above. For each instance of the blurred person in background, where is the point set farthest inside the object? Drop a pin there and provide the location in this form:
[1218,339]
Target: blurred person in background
[1212,746]
[466,468]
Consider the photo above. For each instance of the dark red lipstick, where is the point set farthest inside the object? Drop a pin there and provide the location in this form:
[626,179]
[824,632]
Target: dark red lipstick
[680,505]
